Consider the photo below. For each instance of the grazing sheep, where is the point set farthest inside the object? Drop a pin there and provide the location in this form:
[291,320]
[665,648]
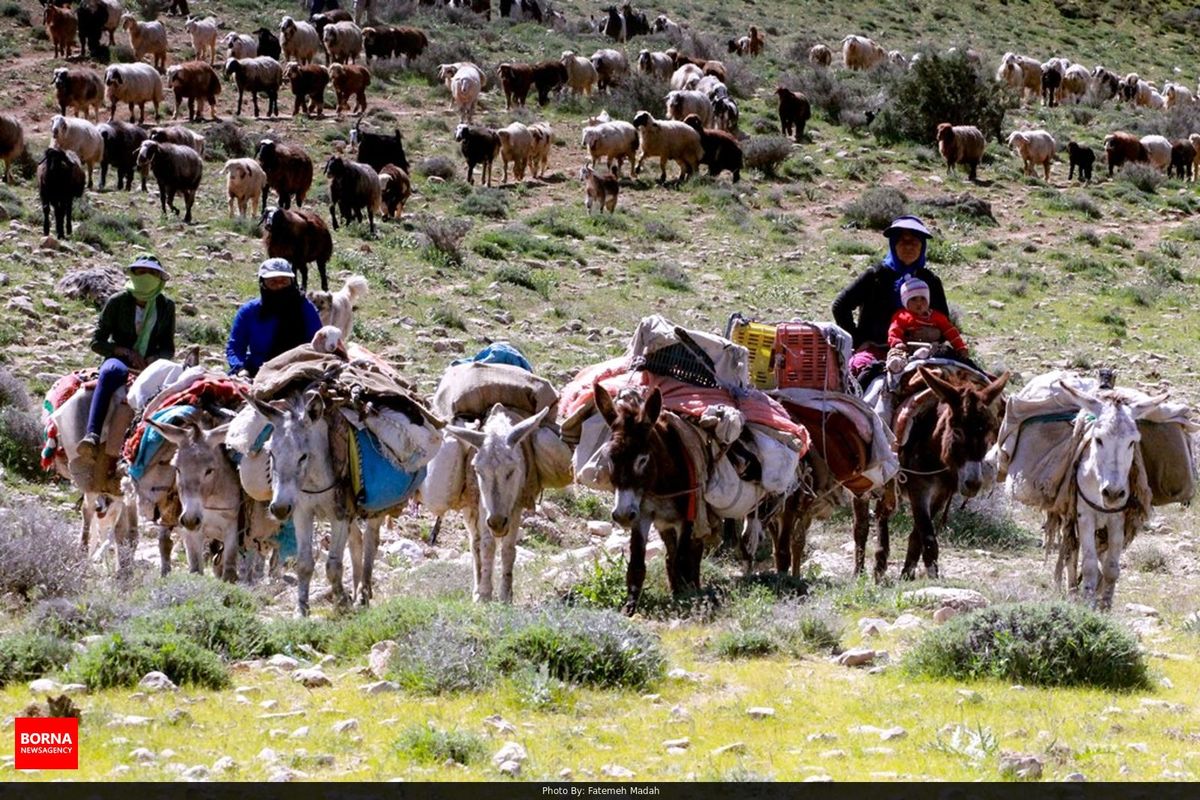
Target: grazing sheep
[518,79]
[245,184]
[12,141]
[352,187]
[204,37]
[682,104]
[329,17]
[147,38]
[383,41]
[1156,101]
[663,24]
[301,42]
[820,55]
[80,137]
[135,85]
[308,82]
[611,66]
[685,76]
[394,190]
[268,44]
[860,52]
[1034,147]
[1121,148]
[1194,138]
[1025,71]
[961,144]
[1177,95]
[1158,151]
[108,13]
[446,73]
[480,146]
[658,64]
[62,26]
[254,75]
[1083,157]
[667,140]
[725,114]
[301,237]
[581,73]
[721,149]
[1075,83]
[1183,156]
[240,45]
[122,141]
[91,22]
[539,157]
[60,181]
[177,134]
[379,149]
[521,10]
[599,190]
[177,169]
[516,145]
[350,80]
[794,112]
[711,87]
[342,42]
[614,140]
[465,86]
[79,88]
[289,171]
[198,83]
[1105,83]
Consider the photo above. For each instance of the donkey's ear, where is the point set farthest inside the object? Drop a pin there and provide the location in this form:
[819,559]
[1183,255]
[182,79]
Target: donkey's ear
[216,436]
[266,409]
[471,438]
[1143,407]
[525,427]
[1087,402]
[946,393]
[995,388]
[604,404]
[175,434]
[314,407]
[653,406]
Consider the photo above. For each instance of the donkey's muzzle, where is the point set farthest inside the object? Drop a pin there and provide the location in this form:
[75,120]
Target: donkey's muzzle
[624,516]
[497,524]
[280,511]
[190,521]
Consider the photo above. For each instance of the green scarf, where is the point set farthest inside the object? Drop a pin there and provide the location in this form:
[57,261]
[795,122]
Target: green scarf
[145,290]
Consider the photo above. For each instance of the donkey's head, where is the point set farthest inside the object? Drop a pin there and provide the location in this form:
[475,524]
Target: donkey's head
[634,424]
[1107,458]
[205,478]
[501,468]
[966,426]
[299,440]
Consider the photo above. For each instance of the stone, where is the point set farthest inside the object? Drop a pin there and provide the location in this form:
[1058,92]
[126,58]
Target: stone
[196,773]
[1075,777]
[732,747]
[143,755]
[945,614]
[345,726]
[818,779]
[760,712]
[511,751]
[299,733]
[679,714]
[224,764]
[380,687]
[822,737]
[893,733]
[381,657]
[1140,610]
[283,662]
[311,678]
[833,754]
[44,686]
[510,768]
[599,529]
[157,682]
[500,724]
[969,696]
[1021,766]
[678,744]
[907,622]
[285,775]
[680,674]
[73,688]
[267,755]
[129,721]
[616,771]
[856,657]
[961,599]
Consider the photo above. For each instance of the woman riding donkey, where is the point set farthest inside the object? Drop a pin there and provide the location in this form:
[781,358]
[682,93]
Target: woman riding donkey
[136,328]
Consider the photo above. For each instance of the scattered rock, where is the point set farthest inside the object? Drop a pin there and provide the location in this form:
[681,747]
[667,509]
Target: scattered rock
[128,721]
[285,775]
[961,599]
[143,755]
[969,696]
[680,674]
[616,771]
[893,733]
[677,744]
[299,733]
[511,751]
[73,688]
[510,768]
[856,657]
[157,682]
[833,754]
[224,764]
[1022,766]
[267,755]
[196,773]
[733,747]
[380,687]
[566,774]
[679,714]
[1140,610]
[872,626]
[1138,747]
[760,712]
[818,779]
[283,662]
[311,678]
[500,724]
[45,686]
[1075,777]
[345,726]
[381,657]
[822,737]
[945,614]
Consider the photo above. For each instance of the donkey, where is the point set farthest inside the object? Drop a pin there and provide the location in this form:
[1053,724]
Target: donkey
[501,465]
[651,489]
[1111,496]
[944,454]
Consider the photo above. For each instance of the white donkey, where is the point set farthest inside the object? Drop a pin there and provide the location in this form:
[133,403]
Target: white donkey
[501,466]
[1112,497]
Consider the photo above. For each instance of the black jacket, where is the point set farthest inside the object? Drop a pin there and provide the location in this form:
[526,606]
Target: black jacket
[116,327]
[873,296]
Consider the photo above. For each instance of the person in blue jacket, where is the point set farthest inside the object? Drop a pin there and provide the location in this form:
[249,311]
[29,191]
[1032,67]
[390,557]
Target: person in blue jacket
[280,318]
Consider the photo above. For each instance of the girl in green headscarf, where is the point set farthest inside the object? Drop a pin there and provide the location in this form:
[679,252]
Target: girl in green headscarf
[136,327]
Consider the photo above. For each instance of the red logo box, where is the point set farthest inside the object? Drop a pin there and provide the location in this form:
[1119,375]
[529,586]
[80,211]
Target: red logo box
[47,743]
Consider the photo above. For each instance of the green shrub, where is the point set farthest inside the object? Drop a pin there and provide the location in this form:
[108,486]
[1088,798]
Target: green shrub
[837,95]
[439,166]
[121,660]
[636,92]
[667,274]
[445,240]
[231,632]
[74,619]
[602,585]
[766,154]
[29,655]
[392,619]
[39,551]
[970,529]
[876,208]
[179,588]
[429,745]
[1043,644]
[485,203]
[753,643]
[937,88]
[535,280]
[1143,177]
[449,654]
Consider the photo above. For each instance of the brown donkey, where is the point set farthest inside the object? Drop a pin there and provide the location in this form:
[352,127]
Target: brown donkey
[653,487]
[942,455]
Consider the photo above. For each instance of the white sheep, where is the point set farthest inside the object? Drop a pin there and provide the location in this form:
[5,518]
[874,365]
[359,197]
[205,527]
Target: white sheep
[1156,101]
[204,37]
[897,58]
[246,184]
[240,45]
[516,146]
[446,72]
[1038,147]
[663,24]
[681,104]
[611,139]
[1075,83]
[1158,149]
[688,74]
[299,41]
[668,140]
[135,85]
[860,52]
[1030,72]
[80,137]
[113,19]
[1177,95]
[147,38]
[465,87]
[581,73]
[543,138]
[711,87]
[178,134]
[611,66]
[656,63]
[820,55]
[342,42]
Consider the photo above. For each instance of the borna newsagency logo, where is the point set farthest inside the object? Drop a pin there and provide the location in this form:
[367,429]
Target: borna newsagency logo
[46,743]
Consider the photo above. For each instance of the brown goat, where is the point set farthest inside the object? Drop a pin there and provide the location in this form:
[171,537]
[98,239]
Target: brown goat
[12,141]
[1121,148]
[395,188]
[961,144]
[517,79]
[289,171]
[198,83]
[794,112]
[350,80]
[599,189]
[308,83]
[62,26]
[301,237]
[721,149]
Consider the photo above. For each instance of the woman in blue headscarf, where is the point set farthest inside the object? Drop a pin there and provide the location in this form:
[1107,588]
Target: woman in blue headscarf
[864,309]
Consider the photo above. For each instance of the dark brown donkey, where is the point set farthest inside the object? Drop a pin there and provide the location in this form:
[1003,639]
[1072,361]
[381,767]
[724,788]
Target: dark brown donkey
[943,454]
[653,487]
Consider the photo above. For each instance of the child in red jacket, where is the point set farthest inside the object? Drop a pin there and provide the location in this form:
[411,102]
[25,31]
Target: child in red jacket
[917,322]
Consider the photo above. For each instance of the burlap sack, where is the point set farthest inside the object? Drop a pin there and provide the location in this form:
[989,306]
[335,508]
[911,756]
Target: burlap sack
[470,390]
[1170,470]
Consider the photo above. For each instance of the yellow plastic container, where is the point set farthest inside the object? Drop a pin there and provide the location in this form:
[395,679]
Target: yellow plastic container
[759,339]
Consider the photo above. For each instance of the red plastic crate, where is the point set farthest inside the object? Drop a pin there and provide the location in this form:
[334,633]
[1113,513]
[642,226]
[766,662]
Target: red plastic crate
[804,359]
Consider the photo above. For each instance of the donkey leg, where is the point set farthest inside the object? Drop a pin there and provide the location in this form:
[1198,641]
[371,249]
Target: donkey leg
[193,545]
[339,533]
[126,535]
[1111,566]
[922,524]
[487,563]
[1086,525]
[883,515]
[635,573]
[800,538]
[672,556]
[695,556]
[86,532]
[232,542]
[862,527]
[166,543]
[471,517]
[355,540]
[940,507]
[303,521]
[508,556]
[370,545]
[780,529]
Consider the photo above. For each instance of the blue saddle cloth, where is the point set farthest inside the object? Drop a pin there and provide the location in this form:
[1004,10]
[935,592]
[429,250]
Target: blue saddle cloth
[498,353]
[379,485]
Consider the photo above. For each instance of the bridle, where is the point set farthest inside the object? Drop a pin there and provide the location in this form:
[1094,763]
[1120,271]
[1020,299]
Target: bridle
[1129,503]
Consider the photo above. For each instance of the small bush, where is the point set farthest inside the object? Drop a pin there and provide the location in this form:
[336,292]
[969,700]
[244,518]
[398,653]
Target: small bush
[835,94]
[445,240]
[876,208]
[231,632]
[39,551]
[974,529]
[30,655]
[940,88]
[535,280]
[1150,558]
[392,619]
[751,643]
[74,619]
[766,154]
[226,139]
[483,202]
[121,660]
[287,634]
[449,654]
[21,442]
[1078,201]
[1042,644]
[602,585]
[429,745]
[1142,177]
[636,92]
[448,318]
[666,274]
[182,588]
[436,166]
[741,79]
